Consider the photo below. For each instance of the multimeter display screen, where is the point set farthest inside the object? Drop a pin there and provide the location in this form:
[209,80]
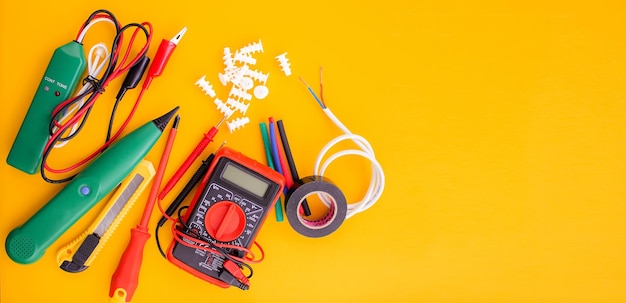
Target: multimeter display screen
[245,180]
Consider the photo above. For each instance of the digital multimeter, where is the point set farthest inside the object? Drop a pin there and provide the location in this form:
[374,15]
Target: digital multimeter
[230,206]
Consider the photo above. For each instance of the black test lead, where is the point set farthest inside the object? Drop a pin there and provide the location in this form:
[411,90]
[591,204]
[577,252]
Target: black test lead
[133,77]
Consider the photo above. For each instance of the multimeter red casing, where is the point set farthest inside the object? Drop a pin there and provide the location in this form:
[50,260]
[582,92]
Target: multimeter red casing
[220,186]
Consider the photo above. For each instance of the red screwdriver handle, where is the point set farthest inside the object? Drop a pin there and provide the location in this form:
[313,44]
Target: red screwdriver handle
[208,138]
[126,277]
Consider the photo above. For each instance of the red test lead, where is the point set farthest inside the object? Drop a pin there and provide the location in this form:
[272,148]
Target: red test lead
[195,153]
[166,48]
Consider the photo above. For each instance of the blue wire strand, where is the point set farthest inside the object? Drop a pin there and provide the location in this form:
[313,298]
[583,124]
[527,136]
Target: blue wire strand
[321,104]
[315,96]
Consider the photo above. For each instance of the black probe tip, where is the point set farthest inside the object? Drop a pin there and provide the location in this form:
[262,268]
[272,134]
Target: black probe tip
[161,122]
[176,121]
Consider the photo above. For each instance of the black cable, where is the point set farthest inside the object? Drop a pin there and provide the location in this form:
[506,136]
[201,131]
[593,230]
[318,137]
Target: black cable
[106,12]
[246,265]
[133,77]
[110,127]
[156,237]
[195,179]
[180,218]
[79,128]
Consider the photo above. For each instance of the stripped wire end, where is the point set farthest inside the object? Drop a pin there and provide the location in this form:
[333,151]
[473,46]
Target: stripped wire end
[321,104]
[322,88]
[179,36]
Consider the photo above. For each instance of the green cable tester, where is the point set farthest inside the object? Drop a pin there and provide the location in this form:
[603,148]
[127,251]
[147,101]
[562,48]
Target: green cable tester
[57,84]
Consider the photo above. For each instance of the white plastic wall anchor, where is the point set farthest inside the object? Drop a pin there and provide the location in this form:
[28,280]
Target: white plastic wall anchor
[284,63]
[207,88]
[257,75]
[229,74]
[224,79]
[238,105]
[228,58]
[246,83]
[239,93]
[223,108]
[256,47]
[237,123]
[243,58]
[239,74]
[261,91]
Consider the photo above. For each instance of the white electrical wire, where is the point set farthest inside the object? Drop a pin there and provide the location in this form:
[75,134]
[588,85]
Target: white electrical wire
[81,36]
[377,181]
[95,64]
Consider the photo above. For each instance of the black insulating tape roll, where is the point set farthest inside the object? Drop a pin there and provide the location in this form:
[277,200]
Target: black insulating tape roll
[305,187]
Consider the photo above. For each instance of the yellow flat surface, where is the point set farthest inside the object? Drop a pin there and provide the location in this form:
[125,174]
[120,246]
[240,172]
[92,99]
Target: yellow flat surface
[500,128]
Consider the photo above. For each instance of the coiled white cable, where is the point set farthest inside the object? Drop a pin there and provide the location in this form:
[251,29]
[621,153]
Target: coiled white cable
[95,64]
[377,181]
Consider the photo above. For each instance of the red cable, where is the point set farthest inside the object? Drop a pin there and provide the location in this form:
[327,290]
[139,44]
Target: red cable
[101,148]
[179,235]
[262,253]
[169,218]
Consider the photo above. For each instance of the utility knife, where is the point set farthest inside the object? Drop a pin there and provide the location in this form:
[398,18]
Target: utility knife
[80,253]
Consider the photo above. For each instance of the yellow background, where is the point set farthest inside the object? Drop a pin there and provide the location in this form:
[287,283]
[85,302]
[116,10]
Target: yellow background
[500,128]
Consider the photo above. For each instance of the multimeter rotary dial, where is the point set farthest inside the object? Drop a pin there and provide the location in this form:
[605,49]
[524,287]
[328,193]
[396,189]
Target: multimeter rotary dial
[225,221]
[226,216]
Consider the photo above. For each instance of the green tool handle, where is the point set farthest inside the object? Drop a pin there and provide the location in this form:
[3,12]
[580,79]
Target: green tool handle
[27,243]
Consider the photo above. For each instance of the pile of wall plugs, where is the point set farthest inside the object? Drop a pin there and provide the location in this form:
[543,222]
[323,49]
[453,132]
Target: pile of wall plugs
[240,74]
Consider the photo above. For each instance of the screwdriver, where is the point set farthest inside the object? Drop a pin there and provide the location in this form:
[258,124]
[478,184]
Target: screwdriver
[195,153]
[126,276]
